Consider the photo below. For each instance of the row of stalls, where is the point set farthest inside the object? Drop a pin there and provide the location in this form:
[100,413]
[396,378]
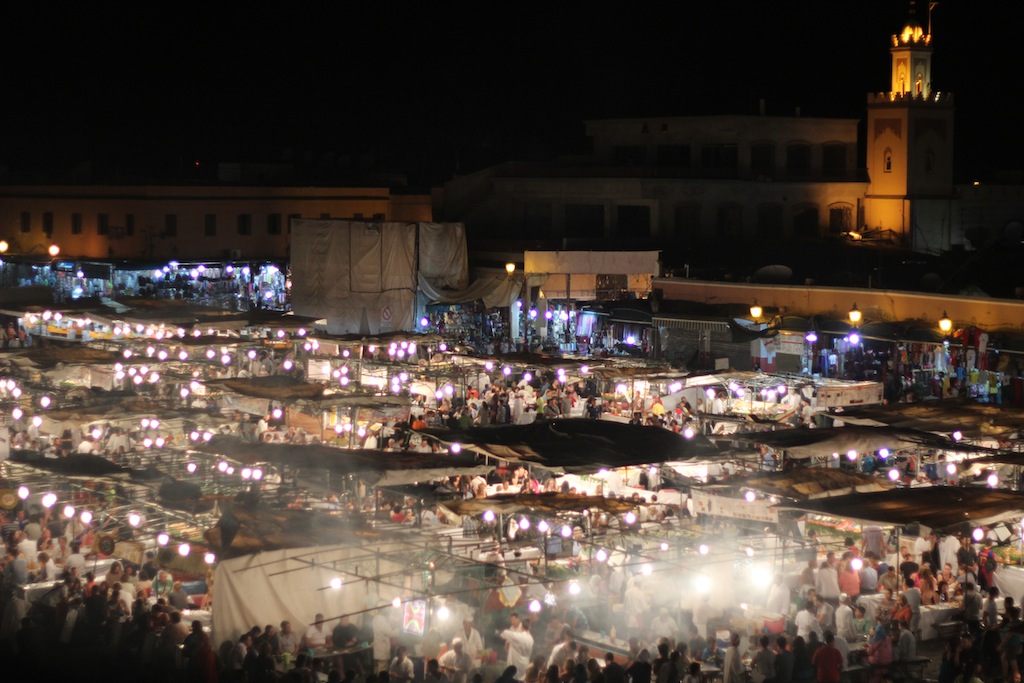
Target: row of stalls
[286,459]
[231,285]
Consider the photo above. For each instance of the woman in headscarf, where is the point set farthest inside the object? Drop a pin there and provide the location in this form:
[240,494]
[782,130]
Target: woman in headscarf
[879,654]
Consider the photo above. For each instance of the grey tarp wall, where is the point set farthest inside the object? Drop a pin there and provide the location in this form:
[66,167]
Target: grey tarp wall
[362,276]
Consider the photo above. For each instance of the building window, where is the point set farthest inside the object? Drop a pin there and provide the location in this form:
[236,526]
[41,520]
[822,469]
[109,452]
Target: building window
[798,159]
[76,224]
[627,155]
[730,220]
[245,224]
[537,219]
[102,224]
[840,218]
[170,225]
[719,157]
[210,224]
[762,158]
[129,224]
[833,160]
[48,223]
[687,220]
[769,221]
[584,220]
[929,161]
[633,221]
[674,155]
[26,221]
[273,224]
[887,161]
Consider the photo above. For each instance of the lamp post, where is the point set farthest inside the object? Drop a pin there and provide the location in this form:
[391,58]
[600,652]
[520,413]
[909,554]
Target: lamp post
[855,314]
[945,324]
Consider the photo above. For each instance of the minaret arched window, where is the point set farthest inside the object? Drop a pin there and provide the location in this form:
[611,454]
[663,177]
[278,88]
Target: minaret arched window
[887,160]
[929,161]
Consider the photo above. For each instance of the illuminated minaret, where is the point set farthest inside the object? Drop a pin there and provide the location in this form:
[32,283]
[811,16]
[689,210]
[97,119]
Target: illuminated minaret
[909,139]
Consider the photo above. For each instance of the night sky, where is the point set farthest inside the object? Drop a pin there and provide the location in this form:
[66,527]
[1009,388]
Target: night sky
[429,89]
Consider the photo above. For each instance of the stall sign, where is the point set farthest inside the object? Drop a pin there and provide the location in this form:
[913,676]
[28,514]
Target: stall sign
[758,510]
[859,394]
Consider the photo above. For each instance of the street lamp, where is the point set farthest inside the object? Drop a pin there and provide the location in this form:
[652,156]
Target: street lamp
[855,314]
[510,268]
[945,324]
[53,250]
[4,246]
[755,310]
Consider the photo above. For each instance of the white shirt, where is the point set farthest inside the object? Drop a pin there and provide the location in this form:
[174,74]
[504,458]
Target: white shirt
[635,602]
[315,637]
[778,599]
[520,649]
[75,560]
[827,582]
[947,552]
[844,622]
[805,623]
[382,633]
[472,643]
[732,669]
[663,626]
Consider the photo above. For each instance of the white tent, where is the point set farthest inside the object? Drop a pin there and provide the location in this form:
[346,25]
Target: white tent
[294,584]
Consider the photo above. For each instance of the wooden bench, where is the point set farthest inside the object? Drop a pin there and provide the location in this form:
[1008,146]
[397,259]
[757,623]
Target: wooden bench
[908,670]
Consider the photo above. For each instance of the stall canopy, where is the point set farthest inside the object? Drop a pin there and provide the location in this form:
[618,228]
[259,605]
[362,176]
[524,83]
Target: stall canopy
[371,466]
[579,446]
[276,387]
[806,443]
[970,417]
[545,503]
[936,507]
[807,483]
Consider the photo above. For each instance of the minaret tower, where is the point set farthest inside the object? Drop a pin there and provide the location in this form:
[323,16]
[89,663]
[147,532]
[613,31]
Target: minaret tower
[909,142]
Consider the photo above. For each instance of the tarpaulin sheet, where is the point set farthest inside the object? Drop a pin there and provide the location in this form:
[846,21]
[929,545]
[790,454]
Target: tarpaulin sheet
[398,253]
[365,257]
[360,276]
[443,255]
[497,291]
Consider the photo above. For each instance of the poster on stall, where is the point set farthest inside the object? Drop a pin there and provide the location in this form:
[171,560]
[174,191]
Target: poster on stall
[414,616]
[758,510]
